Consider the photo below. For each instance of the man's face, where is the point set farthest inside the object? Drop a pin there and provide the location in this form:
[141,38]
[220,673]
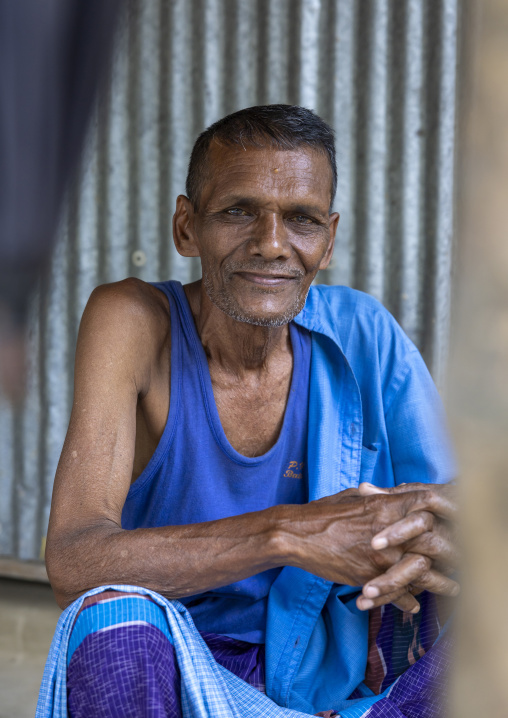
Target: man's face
[263,230]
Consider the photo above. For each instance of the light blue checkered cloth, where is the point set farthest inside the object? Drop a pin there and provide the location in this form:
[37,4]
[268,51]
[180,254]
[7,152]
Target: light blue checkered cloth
[208,689]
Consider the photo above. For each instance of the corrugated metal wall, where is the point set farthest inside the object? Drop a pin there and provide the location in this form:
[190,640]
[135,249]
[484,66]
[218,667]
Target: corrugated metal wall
[382,72]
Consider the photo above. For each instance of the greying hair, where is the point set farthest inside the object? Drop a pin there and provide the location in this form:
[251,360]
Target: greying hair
[284,127]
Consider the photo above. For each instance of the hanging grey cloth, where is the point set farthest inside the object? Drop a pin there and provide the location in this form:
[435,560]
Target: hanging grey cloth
[53,56]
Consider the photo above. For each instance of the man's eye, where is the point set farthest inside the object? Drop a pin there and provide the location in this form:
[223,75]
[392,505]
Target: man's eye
[302,219]
[236,212]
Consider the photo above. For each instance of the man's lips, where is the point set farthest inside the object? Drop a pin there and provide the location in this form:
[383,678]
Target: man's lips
[266,279]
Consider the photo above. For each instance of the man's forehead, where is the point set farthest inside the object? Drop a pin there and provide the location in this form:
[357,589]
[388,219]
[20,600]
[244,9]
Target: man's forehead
[302,170]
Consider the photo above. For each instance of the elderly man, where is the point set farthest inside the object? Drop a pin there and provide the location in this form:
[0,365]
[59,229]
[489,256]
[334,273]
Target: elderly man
[219,434]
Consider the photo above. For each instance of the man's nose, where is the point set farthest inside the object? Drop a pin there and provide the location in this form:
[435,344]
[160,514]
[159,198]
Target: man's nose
[270,238]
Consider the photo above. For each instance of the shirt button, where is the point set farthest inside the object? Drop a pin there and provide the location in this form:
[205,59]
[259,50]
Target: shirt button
[353,429]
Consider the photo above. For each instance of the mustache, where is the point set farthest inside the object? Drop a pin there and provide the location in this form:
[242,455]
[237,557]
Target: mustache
[254,266]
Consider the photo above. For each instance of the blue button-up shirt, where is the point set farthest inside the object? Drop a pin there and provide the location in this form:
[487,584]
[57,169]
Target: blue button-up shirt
[374,415]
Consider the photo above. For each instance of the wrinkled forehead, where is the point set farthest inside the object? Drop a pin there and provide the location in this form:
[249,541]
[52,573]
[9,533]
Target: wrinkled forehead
[267,171]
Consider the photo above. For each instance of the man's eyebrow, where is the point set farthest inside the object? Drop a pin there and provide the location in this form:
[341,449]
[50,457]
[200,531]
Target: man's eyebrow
[298,208]
[233,200]
[311,209]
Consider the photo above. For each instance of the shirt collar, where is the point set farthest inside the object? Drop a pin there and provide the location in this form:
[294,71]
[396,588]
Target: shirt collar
[315,317]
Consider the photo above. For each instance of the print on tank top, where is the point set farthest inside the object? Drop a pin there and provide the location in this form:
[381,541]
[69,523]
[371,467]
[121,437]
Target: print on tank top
[294,470]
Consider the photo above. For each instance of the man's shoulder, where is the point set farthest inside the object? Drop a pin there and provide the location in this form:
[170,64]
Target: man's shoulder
[342,310]
[124,334]
[127,314]
[368,335]
[129,300]
[340,296]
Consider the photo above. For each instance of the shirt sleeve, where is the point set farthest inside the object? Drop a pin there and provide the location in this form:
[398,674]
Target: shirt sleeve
[419,440]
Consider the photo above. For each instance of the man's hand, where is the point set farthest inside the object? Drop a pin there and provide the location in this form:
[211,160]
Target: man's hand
[334,539]
[429,550]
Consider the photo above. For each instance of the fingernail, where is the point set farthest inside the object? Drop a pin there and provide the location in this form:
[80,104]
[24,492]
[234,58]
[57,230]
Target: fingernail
[371,591]
[456,591]
[367,603]
[379,543]
[416,609]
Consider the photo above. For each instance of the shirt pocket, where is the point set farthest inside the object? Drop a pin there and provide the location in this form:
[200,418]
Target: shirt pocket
[369,460]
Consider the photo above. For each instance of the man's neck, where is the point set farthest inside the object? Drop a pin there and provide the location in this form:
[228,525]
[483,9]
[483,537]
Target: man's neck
[238,347]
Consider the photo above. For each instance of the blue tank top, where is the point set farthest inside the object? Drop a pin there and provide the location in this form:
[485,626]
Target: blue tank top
[196,475]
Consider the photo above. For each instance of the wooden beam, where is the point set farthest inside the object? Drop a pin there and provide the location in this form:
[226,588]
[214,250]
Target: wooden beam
[23,570]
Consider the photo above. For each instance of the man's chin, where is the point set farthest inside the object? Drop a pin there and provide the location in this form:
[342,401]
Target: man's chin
[273,314]
[264,317]
[278,320]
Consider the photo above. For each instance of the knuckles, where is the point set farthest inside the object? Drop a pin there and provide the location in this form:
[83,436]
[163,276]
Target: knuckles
[422,563]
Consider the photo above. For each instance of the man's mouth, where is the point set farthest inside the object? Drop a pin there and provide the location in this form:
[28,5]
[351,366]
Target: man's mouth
[267,279]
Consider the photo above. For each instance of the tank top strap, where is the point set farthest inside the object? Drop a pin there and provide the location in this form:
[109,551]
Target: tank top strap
[192,364]
[167,288]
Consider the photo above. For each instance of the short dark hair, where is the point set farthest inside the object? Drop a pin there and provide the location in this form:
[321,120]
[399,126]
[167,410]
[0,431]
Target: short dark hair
[285,127]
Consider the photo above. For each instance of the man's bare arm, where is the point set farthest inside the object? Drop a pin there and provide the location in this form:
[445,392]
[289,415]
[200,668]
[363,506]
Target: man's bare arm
[121,336]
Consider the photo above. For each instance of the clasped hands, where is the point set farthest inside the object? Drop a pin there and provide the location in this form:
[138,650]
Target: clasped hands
[401,542]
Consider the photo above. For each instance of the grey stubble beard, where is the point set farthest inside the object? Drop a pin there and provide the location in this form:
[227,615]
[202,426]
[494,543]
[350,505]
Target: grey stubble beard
[223,301]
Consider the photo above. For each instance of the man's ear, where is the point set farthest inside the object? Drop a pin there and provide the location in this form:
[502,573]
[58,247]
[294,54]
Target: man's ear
[334,221]
[184,235]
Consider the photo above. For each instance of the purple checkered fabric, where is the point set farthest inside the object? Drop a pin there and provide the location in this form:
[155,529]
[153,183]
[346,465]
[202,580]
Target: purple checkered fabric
[421,691]
[130,669]
[126,671]
[245,660]
[397,640]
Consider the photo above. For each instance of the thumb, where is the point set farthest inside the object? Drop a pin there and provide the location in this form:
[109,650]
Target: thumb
[367,489]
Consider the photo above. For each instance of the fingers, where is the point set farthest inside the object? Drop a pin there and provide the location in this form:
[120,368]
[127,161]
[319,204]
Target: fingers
[422,533]
[366,489]
[413,525]
[436,498]
[402,599]
[411,569]
[438,545]
[407,602]
[436,582]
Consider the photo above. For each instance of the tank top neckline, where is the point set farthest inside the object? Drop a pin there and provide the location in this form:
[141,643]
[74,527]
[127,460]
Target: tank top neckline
[189,325]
